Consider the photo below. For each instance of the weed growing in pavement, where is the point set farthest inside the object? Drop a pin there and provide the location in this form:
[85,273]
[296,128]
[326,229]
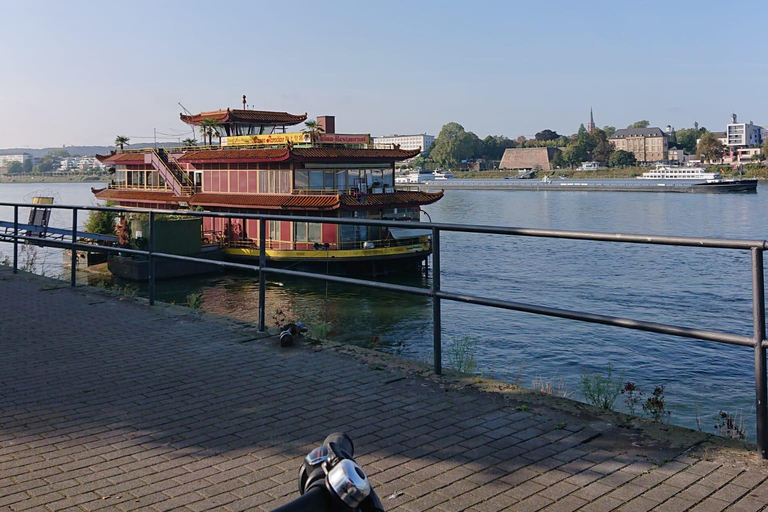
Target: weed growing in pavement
[523,408]
[601,390]
[319,330]
[6,262]
[632,396]
[730,426]
[547,387]
[656,407]
[461,354]
[195,300]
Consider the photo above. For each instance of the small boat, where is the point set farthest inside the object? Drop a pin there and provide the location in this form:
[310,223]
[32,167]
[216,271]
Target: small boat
[442,175]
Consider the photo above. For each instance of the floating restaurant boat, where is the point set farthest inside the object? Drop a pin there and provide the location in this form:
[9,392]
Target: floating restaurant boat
[259,167]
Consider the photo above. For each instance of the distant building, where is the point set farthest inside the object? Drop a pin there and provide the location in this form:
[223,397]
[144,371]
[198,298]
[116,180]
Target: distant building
[407,142]
[743,135]
[676,155]
[6,160]
[529,158]
[648,144]
[591,124]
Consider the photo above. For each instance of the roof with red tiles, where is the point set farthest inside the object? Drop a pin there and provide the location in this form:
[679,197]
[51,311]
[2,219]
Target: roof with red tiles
[224,155]
[152,196]
[275,201]
[121,158]
[245,116]
[320,202]
[400,198]
[356,154]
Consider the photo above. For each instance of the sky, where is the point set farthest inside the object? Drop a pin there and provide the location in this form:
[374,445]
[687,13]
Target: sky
[80,73]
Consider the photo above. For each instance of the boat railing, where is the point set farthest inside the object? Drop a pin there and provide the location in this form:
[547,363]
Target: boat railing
[755,341]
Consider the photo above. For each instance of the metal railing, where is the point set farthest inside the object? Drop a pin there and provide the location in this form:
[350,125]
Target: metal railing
[755,341]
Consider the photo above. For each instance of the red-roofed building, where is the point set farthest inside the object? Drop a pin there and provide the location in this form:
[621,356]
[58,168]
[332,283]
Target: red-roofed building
[259,167]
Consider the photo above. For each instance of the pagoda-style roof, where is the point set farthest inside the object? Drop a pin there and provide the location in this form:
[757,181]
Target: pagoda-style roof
[274,201]
[392,200]
[352,154]
[261,117]
[318,154]
[121,158]
[235,155]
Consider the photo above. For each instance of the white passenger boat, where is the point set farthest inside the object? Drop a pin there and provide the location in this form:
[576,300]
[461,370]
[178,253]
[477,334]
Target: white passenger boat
[442,175]
[665,172]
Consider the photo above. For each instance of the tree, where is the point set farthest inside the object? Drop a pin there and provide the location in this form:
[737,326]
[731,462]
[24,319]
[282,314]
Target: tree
[765,149]
[453,145]
[189,142]
[574,154]
[687,137]
[609,130]
[15,168]
[710,148]
[121,140]
[547,135]
[494,146]
[27,166]
[621,158]
[44,166]
[521,140]
[312,128]
[102,222]
[640,124]
[582,134]
[602,147]
[209,127]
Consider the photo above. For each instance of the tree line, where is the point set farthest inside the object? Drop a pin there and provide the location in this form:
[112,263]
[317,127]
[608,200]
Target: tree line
[455,145]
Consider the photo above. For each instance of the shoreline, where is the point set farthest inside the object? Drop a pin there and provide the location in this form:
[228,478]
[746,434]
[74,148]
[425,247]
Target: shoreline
[53,179]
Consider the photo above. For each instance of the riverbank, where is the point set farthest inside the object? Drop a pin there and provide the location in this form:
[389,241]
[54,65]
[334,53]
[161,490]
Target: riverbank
[29,178]
[749,172]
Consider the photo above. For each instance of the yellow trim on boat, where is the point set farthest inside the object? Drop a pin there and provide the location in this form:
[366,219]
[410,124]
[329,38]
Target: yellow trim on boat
[276,254]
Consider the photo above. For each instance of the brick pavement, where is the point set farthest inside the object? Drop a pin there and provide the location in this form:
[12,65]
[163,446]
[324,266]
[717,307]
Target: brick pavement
[108,404]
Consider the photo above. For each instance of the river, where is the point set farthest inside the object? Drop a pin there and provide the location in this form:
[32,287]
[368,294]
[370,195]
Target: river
[706,288]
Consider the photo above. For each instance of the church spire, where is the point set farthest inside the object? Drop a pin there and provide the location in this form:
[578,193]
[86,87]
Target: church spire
[591,125]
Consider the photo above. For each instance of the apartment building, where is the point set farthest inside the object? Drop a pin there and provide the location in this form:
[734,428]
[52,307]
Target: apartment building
[407,142]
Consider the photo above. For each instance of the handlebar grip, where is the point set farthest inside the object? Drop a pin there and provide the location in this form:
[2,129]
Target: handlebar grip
[314,500]
[343,441]
[372,503]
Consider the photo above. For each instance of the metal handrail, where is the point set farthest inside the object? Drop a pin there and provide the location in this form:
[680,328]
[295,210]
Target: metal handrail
[756,341]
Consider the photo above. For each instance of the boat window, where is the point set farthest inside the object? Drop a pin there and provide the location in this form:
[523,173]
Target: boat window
[341,180]
[314,232]
[315,179]
[299,231]
[301,180]
[388,178]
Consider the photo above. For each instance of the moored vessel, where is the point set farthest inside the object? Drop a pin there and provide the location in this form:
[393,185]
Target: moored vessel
[260,167]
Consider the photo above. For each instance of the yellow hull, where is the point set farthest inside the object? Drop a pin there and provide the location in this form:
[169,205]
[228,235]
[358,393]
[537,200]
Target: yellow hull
[336,254]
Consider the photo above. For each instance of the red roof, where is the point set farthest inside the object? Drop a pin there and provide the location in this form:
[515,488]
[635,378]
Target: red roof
[151,196]
[274,201]
[121,158]
[245,116]
[320,202]
[225,155]
[393,200]
[356,154]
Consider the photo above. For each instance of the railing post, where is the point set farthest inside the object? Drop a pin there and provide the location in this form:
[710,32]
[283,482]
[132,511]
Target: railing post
[437,347]
[151,262]
[262,274]
[73,277]
[758,318]
[16,239]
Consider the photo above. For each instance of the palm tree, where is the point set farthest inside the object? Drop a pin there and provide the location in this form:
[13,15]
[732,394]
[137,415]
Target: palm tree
[189,142]
[311,128]
[210,128]
[121,140]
